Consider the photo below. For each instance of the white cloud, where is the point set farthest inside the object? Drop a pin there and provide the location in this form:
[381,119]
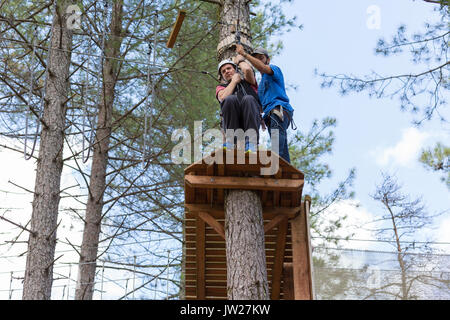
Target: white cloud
[406,151]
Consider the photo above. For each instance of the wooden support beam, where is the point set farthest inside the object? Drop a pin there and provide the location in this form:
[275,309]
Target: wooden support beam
[265,193]
[276,193]
[301,255]
[189,192]
[216,211]
[274,222]
[210,192]
[200,258]
[279,257]
[244,183]
[295,195]
[288,281]
[220,192]
[213,223]
[176,28]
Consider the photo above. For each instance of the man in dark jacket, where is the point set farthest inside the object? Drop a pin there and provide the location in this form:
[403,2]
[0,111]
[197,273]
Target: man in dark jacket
[239,101]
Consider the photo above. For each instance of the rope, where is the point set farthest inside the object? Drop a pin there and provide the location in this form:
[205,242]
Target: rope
[85,112]
[99,83]
[151,66]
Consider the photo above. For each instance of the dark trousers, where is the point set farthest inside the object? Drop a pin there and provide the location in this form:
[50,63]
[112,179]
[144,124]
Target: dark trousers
[273,122]
[242,114]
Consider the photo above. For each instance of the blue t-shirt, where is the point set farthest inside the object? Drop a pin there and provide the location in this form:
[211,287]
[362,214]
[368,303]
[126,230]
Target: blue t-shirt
[271,91]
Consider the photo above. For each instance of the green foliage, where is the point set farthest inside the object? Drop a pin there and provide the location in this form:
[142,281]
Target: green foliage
[270,21]
[437,159]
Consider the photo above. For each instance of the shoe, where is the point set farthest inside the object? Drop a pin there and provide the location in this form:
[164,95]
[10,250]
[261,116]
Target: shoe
[249,147]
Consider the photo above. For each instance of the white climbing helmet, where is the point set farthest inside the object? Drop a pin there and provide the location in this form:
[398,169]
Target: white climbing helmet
[224,62]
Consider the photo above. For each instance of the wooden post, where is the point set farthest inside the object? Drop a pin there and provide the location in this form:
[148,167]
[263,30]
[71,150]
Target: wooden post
[279,257]
[301,255]
[288,283]
[176,28]
[200,243]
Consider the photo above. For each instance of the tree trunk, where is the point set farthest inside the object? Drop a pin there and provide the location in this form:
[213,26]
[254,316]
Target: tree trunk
[246,256]
[244,226]
[97,184]
[232,11]
[42,240]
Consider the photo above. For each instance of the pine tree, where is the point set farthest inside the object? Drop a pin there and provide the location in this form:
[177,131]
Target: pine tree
[42,241]
[244,227]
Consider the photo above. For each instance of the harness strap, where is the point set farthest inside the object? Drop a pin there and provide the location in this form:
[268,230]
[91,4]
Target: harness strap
[280,114]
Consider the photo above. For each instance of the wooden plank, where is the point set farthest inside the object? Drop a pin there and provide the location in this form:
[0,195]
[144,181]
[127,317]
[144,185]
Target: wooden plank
[189,192]
[300,256]
[288,282]
[213,223]
[276,193]
[233,164]
[176,28]
[308,242]
[209,277]
[210,292]
[244,183]
[273,223]
[216,262]
[200,196]
[285,199]
[220,192]
[213,236]
[295,195]
[279,257]
[200,263]
[216,211]
[264,195]
[209,192]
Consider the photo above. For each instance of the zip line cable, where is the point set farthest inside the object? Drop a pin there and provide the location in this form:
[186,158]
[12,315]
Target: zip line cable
[146,63]
[150,98]
[85,116]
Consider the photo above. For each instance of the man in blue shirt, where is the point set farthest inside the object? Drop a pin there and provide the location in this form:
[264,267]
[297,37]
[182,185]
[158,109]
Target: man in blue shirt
[272,94]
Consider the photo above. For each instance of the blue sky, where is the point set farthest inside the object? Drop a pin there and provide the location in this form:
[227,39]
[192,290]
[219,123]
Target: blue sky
[372,135]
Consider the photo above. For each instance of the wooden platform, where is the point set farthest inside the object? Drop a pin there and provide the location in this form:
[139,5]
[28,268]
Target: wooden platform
[281,193]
